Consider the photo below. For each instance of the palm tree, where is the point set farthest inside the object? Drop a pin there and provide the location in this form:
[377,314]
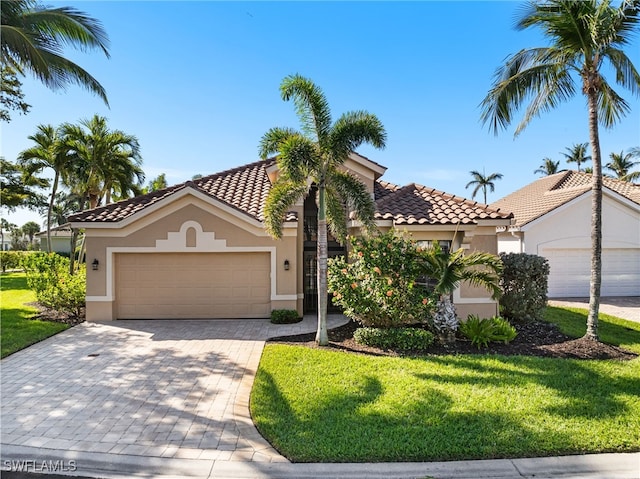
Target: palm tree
[583,35]
[449,270]
[48,152]
[313,157]
[105,160]
[480,181]
[33,37]
[577,154]
[548,167]
[621,163]
[30,228]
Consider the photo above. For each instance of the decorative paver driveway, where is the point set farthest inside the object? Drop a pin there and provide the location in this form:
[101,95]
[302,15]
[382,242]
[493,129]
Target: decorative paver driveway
[164,389]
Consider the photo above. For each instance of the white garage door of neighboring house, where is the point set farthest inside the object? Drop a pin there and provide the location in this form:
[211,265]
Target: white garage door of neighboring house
[570,272]
[192,285]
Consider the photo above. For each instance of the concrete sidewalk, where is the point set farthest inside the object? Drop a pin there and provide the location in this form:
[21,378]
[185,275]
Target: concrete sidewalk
[100,465]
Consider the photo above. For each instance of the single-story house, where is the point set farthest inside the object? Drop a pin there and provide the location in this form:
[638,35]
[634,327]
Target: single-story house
[60,239]
[199,249]
[552,218]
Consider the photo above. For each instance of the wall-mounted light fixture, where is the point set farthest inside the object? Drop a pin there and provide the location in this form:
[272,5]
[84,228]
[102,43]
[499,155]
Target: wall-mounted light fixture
[95,264]
[286,265]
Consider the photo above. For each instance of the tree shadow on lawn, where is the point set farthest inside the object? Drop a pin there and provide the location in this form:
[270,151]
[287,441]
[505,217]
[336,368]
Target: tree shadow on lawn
[344,428]
[572,321]
[583,389]
[12,281]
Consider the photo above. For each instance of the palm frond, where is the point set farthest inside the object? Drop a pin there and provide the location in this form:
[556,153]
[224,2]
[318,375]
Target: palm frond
[311,105]
[272,140]
[282,196]
[353,129]
[299,158]
[336,213]
[611,106]
[355,194]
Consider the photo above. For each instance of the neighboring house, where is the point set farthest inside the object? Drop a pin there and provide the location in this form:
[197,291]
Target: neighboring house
[5,241]
[553,219]
[200,250]
[60,239]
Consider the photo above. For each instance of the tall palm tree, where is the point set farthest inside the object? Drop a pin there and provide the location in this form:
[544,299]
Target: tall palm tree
[480,181]
[448,270]
[313,157]
[105,160]
[34,37]
[48,152]
[577,154]
[548,167]
[622,163]
[583,34]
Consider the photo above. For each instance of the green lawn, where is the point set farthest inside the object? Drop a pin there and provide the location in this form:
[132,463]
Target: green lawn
[17,330]
[330,406]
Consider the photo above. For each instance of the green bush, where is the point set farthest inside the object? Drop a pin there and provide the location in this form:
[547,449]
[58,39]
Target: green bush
[377,287]
[285,316]
[48,275]
[13,259]
[524,286]
[482,331]
[402,339]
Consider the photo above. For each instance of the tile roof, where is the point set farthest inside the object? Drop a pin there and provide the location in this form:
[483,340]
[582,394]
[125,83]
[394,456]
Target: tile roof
[244,188]
[417,204]
[548,193]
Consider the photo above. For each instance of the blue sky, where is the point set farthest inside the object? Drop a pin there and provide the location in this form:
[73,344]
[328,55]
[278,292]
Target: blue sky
[197,83]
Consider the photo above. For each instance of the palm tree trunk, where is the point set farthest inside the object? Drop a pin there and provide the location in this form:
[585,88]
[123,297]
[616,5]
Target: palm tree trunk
[50,210]
[322,337]
[596,219]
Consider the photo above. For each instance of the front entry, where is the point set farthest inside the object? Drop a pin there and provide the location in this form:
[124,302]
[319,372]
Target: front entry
[311,282]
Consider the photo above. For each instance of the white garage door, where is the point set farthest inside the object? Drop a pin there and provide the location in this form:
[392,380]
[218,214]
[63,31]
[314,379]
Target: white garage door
[570,271]
[192,285]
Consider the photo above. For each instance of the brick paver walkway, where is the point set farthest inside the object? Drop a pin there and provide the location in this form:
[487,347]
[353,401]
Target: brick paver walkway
[165,389]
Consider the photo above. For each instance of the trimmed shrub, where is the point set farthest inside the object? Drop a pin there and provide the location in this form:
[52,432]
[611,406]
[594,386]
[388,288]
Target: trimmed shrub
[11,259]
[402,339]
[524,286]
[285,316]
[48,275]
[377,287]
[483,331]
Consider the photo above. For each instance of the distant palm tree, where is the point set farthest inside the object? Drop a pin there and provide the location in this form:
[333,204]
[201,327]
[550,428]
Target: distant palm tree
[577,154]
[622,163]
[105,160]
[48,152]
[480,181]
[34,36]
[582,36]
[30,228]
[312,158]
[548,167]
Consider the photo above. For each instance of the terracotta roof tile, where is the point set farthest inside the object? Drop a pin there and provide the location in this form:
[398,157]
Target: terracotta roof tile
[548,193]
[417,204]
[244,188]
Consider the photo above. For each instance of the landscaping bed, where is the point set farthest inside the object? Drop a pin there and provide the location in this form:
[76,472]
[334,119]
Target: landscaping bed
[535,338]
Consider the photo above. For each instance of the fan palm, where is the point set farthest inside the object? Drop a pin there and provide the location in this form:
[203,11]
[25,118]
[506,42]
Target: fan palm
[583,34]
[33,38]
[622,163]
[548,167]
[449,269]
[482,182]
[577,154]
[313,157]
[48,152]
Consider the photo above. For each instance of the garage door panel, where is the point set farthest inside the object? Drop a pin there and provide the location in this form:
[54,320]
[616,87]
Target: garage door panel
[193,285]
[570,272]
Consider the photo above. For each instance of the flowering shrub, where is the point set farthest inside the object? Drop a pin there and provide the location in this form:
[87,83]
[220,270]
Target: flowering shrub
[48,275]
[377,286]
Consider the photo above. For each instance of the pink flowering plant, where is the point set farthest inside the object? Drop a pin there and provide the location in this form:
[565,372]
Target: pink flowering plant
[377,286]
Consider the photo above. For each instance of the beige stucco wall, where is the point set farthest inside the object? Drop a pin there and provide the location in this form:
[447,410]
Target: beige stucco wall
[162,227]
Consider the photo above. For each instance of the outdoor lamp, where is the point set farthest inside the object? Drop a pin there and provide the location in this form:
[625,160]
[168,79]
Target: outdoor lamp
[95,264]
[286,265]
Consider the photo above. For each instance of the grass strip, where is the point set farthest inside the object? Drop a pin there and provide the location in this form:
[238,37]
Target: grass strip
[18,330]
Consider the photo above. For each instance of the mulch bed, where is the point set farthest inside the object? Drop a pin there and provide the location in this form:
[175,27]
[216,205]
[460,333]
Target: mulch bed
[47,314]
[536,338]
